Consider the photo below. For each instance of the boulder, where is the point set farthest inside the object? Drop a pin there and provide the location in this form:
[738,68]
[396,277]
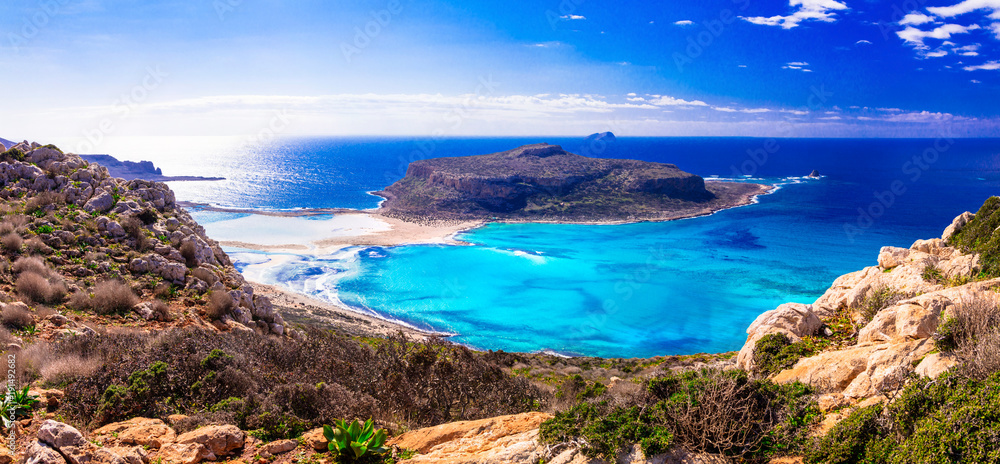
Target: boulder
[184,453]
[956,225]
[887,368]
[280,446]
[795,320]
[41,453]
[935,364]
[505,439]
[131,455]
[831,371]
[59,435]
[101,202]
[219,439]
[890,257]
[316,440]
[139,431]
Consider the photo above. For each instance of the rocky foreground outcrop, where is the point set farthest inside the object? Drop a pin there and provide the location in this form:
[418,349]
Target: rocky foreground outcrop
[545,182]
[921,285]
[134,219]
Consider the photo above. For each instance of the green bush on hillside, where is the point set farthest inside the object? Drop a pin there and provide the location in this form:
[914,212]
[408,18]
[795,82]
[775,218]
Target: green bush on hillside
[950,419]
[713,411]
[980,236]
[775,352]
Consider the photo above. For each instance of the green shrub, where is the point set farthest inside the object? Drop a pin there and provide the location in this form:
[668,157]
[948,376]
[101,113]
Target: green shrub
[980,236]
[713,411]
[355,441]
[16,404]
[775,353]
[876,300]
[13,154]
[949,419]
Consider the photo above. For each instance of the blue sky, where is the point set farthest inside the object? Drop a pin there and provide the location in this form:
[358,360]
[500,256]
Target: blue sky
[824,68]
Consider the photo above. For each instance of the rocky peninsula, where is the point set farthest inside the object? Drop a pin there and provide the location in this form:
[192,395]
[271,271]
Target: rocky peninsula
[545,183]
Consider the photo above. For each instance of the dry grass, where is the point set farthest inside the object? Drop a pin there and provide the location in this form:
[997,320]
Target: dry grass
[40,360]
[219,304]
[31,264]
[112,297]
[11,242]
[38,289]
[188,250]
[204,274]
[972,333]
[16,316]
[161,311]
[43,201]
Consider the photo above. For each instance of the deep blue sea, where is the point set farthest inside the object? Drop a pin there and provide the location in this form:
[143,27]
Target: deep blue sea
[634,290]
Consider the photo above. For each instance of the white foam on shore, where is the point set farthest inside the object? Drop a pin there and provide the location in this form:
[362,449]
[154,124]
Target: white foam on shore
[280,230]
[263,268]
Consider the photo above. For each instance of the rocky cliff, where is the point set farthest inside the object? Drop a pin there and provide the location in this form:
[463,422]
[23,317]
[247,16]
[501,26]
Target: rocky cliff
[545,182]
[887,314]
[86,227]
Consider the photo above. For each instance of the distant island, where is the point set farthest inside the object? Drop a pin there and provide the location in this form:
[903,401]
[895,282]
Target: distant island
[144,170]
[543,182]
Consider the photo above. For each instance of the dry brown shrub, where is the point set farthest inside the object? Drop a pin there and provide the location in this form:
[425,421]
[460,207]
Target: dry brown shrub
[11,242]
[16,316]
[112,297]
[220,303]
[38,289]
[31,264]
[972,333]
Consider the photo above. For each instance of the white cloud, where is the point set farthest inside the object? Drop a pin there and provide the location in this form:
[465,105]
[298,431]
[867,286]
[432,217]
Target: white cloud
[916,37]
[667,100]
[804,10]
[572,17]
[988,66]
[974,81]
[863,42]
[797,65]
[724,109]
[831,118]
[741,65]
[967,6]
[915,19]
[683,22]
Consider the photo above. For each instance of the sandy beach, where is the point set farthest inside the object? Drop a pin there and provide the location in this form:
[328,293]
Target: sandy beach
[300,309]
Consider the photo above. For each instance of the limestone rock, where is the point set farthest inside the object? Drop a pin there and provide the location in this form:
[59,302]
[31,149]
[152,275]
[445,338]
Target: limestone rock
[184,453]
[887,368]
[139,431]
[890,257]
[281,446]
[935,364]
[795,320]
[41,453]
[131,455]
[6,457]
[219,439]
[505,439]
[59,435]
[100,202]
[829,371]
[315,439]
[956,225]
